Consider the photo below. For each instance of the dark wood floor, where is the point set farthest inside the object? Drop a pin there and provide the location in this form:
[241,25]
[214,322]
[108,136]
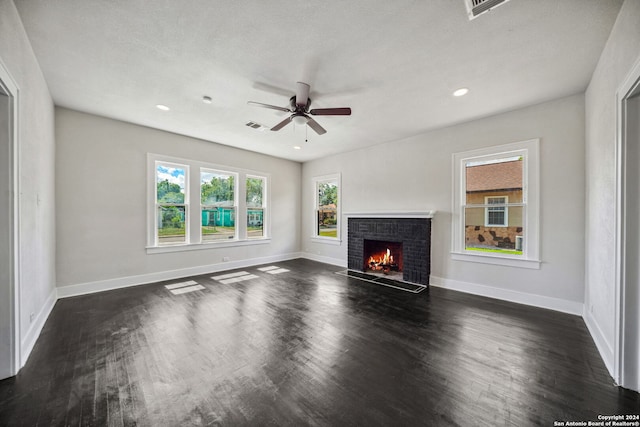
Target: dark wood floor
[308,347]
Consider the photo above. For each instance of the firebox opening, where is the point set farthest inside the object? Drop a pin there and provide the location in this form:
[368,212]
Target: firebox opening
[382,257]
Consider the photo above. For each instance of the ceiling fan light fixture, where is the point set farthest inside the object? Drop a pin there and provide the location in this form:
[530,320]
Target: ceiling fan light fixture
[300,119]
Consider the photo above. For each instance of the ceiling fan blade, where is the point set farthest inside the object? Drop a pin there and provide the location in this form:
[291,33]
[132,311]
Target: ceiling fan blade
[316,127]
[302,93]
[282,124]
[272,89]
[331,111]
[272,107]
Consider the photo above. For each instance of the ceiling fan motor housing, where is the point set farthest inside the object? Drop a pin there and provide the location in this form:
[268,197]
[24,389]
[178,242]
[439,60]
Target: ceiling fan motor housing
[298,108]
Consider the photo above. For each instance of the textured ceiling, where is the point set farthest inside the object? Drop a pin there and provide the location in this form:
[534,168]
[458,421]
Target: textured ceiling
[395,63]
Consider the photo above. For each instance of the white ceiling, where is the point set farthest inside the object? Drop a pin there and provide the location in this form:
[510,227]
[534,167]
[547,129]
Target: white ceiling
[395,63]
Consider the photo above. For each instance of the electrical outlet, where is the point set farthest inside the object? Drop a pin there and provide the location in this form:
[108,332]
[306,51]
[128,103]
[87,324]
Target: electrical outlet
[31,317]
[225,258]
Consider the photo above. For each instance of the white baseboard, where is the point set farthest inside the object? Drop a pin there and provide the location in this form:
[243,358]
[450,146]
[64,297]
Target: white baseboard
[604,347]
[35,328]
[557,304]
[124,282]
[325,259]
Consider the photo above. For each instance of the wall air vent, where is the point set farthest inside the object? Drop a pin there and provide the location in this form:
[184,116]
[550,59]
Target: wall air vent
[476,8]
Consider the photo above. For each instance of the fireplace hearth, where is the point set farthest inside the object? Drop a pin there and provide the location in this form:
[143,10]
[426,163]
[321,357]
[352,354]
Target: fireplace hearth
[395,247]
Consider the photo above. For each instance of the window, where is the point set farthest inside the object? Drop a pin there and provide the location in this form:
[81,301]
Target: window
[233,205]
[327,207]
[218,205]
[171,203]
[255,190]
[495,212]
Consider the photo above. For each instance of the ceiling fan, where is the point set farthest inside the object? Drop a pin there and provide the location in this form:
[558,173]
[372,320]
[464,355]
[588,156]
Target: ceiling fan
[299,107]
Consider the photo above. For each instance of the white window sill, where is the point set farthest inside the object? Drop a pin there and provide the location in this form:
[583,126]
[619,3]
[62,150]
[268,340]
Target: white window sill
[202,246]
[496,260]
[326,240]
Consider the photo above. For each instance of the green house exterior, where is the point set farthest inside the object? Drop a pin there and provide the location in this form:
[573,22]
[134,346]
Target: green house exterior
[226,217]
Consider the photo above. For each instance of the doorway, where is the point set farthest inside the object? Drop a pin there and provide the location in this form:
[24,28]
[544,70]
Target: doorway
[8,194]
[627,348]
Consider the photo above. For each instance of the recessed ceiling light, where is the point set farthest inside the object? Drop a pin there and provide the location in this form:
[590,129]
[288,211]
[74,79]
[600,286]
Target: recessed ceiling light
[162,107]
[207,99]
[461,92]
[296,147]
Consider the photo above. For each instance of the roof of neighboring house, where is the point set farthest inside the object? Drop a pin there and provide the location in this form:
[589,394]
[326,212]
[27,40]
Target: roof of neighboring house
[495,176]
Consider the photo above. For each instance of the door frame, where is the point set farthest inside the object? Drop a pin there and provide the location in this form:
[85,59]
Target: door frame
[9,86]
[623,351]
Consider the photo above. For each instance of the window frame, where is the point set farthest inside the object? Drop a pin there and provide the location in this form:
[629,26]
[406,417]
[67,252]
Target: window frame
[193,219]
[316,181]
[530,151]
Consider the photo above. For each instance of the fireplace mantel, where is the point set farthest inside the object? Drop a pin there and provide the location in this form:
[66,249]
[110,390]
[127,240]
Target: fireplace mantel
[392,214]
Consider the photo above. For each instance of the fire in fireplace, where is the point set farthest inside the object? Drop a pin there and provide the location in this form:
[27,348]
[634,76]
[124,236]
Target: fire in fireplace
[382,257]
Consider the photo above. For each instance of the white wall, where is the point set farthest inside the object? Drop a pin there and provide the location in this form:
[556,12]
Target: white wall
[415,175]
[101,203]
[36,177]
[619,55]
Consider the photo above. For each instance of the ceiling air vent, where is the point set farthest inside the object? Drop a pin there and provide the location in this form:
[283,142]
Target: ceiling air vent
[476,8]
[255,125]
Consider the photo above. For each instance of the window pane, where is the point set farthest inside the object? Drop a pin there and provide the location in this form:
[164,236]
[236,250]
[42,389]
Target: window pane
[328,209]
[171,225]
[327,222]
[217,189]
[496,217]
[218,223]
[218,212]
[506,239]
[169,184]
[488,177]
[255,222]
[255,192]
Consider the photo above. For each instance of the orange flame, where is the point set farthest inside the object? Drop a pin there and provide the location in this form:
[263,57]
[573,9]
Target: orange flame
[382,259]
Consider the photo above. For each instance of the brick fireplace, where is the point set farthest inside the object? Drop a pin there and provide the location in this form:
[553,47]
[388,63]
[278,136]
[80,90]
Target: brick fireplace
[407,238]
